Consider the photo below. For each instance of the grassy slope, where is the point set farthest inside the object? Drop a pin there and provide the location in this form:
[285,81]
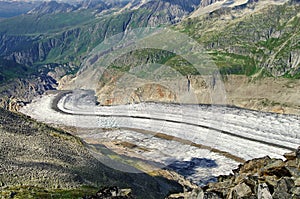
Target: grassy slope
[246,44]
[262,43]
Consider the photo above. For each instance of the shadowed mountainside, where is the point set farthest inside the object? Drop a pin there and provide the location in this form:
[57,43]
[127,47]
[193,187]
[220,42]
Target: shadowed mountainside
[35,155]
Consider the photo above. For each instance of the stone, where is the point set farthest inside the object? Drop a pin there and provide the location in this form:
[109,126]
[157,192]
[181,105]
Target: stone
[291,163]
[125,192]
[241,190]
[263,192]
[276,168]
[298,153]
[293,171]
[211,195]
[290,156]
[253,166]
[197,194]
[297,182]
[252,183]
[108,192]
[262,178]
[194,194]
[271,181]
[221,187]
[296,191]
[283,188]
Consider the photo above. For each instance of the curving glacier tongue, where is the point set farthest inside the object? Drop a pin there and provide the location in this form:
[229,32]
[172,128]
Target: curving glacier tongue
[198,141]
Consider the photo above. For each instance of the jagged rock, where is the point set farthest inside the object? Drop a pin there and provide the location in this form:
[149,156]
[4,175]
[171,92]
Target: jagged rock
[111,193]
[205,3]
[291,163]
[253,166]
[271,180]
[251,181]
[262,178]
[221,187]
[297,182]
[276,168]
[240,191]
[290,156]
[296,191]
[298,153]
[19,92]
[211,195]
[294,171]
[51,8]
[263,192]
[194,194]
[283,188]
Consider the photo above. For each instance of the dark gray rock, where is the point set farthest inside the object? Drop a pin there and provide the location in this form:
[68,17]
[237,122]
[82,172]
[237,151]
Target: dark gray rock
[283,188]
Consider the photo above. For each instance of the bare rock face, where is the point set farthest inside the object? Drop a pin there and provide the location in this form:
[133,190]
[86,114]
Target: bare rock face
[146,93]
[17,93]
[205,3]
[262,178]
[155,92]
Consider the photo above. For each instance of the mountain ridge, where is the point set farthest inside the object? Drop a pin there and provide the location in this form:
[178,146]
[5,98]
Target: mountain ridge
[66,38]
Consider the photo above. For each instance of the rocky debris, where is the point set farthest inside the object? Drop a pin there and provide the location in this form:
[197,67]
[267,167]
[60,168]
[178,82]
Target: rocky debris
[33,154]
[111,193]
[262,178]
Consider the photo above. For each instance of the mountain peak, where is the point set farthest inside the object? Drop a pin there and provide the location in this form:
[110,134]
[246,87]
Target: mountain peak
[52,7]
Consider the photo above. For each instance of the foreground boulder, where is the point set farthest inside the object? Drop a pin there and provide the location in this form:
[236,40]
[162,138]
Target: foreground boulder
[262,178]
[111,193]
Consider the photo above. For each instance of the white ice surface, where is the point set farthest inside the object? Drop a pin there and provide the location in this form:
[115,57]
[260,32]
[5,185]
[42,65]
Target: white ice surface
[180,121]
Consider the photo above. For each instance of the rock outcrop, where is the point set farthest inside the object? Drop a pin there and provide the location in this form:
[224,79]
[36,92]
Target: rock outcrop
[262,178]
[111,193]
[19,92]
[205,3]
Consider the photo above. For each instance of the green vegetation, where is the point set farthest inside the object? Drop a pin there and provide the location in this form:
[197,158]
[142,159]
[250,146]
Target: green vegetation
[10,70]
[265,39]
[258,44]
[159,58]
[230,63]
[45,24]
[37,192]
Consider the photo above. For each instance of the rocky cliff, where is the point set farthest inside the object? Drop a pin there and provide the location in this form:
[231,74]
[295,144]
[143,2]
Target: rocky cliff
[17,93]
[205,3]
[256,37]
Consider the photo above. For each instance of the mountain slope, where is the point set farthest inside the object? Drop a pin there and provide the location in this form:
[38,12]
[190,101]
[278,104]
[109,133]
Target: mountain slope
[63,34]
[255,38]
[252,38]
[35,155]
[254,45]
[13,8]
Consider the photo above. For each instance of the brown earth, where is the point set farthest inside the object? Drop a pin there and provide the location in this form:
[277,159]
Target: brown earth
[279,95]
